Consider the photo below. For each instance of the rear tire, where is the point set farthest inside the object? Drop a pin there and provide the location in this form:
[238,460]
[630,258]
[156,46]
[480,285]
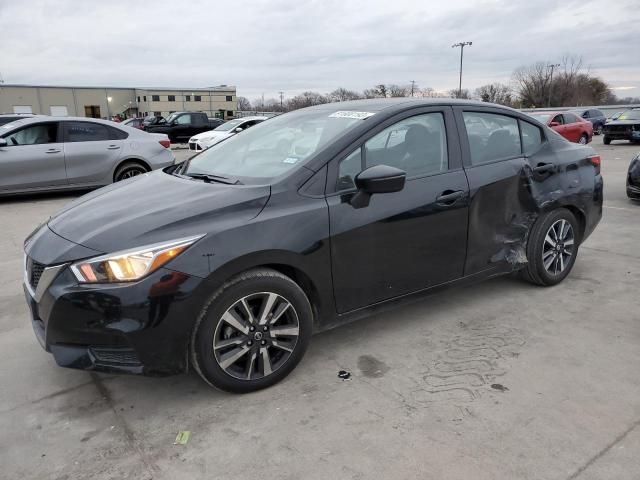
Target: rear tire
[252,332]
[584,139]
[552,248]
[129,170]
[606,140]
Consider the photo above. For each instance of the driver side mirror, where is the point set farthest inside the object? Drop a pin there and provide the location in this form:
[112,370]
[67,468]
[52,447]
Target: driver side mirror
[377,179]
[3,142]
[554,124]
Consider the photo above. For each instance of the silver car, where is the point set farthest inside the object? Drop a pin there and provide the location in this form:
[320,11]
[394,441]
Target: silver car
[62,153]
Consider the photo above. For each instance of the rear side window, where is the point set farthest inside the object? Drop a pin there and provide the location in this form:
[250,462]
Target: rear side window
[531,138]
[85,132]
[115,134]
[570,118]
[491,137]
[596,113]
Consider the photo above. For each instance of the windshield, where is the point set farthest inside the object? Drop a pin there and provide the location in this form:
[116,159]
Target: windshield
[272,148]
[172,117]
[630,115]
[543,117]
[230,125]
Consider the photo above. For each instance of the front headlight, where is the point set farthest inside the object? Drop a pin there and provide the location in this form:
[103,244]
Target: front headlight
[130,265]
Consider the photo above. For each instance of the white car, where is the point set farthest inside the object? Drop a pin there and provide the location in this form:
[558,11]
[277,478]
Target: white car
[204,140]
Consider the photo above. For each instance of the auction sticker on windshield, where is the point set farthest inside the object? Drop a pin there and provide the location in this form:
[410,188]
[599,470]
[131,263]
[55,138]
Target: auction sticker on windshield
[356,115]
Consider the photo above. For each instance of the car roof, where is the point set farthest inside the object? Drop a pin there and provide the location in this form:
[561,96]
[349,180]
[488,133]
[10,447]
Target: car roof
[256,117]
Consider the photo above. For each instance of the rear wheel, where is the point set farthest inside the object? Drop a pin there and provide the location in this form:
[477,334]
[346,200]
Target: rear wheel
[606,140]
[552,248]
[129,170]
[252,332]
[584,139]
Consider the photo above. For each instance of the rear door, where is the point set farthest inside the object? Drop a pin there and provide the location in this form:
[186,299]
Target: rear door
[33,157]
[91,151]
[407,240]
[573,126]
[506,166]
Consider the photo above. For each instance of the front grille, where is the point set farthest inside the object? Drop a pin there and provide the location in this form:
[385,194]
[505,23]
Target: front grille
[34,272]
[618,128]
[115,355]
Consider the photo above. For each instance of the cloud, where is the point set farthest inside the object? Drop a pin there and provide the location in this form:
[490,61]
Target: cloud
[264,46]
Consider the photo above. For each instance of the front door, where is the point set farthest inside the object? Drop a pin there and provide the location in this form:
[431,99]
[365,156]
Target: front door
[408,240]
[33,157]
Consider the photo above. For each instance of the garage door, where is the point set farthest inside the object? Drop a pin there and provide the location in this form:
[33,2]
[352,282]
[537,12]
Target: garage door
[59,111]
[22,109]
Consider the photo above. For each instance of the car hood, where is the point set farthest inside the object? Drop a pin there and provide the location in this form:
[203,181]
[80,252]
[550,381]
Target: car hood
[624,122]
[155,207]
[210,135]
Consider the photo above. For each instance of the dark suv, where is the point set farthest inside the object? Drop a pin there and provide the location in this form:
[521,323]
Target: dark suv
[596,117]
[180,126]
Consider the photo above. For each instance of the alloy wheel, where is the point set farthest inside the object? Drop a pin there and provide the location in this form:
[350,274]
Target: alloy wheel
[558,247]
[131,172]
[582,140]
[256,336]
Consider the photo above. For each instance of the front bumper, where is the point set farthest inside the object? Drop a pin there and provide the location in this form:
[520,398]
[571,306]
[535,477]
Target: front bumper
[142,327]
[626,134]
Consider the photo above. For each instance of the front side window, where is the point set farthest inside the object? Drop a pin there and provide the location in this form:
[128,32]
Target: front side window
[491,137]
[570,118]
[183,120]
[416,145]
[559,119]
[85,132]
[39,134]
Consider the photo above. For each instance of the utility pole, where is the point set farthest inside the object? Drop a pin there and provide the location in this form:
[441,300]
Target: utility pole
[461,45]
[552,67]
[413,84]
[281,98]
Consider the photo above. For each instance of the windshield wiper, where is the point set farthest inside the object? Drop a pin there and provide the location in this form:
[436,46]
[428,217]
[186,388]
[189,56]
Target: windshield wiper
[207,177]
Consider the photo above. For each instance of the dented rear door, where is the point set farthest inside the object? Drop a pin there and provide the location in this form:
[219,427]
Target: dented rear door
[507,180]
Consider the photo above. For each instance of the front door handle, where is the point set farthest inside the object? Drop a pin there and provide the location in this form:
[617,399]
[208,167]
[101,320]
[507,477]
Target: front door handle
[113,147]
[449,197]
[544,168]
[53,150]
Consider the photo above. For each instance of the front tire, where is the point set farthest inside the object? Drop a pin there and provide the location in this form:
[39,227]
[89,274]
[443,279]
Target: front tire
[606,140]
[552,248]
[252,332]
[599,130]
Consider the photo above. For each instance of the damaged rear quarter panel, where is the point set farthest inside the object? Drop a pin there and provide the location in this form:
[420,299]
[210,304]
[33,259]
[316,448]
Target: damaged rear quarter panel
[507,197]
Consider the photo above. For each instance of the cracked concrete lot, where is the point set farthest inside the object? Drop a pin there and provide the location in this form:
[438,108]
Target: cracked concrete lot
[500,380]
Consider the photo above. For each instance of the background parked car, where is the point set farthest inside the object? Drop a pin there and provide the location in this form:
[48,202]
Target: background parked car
[625,127]
[12,117]
[152,120]
[204,140]
[633,178]
[180,126]
[569,125]
[595,116]
[59,153]
[134,123]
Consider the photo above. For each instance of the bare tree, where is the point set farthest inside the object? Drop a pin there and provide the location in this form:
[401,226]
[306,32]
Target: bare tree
[495,93]
[243,104]
[342,94]
[306,99]
[398,91]
[464,93]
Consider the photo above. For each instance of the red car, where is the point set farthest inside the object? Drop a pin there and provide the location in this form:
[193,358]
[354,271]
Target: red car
[567,124]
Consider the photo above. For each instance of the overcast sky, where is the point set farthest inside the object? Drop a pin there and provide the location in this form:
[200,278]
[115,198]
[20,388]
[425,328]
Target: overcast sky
[264,46]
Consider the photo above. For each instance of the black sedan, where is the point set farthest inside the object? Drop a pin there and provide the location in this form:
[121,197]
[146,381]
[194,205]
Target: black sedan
[227,263]
[633,178]
[625,127]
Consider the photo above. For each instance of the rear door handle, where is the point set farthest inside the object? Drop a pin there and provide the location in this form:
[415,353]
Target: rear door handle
[544,168]
[449,197]
[53,150]
[113,147]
